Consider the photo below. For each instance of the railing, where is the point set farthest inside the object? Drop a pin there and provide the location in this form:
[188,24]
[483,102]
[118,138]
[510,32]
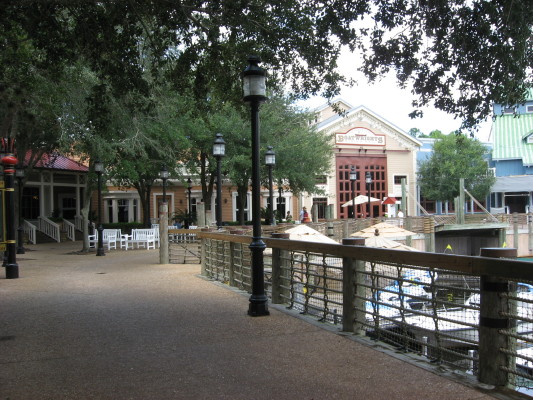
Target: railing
[70,229]
[184,247]
[50,228]
[30,230]
[425,303]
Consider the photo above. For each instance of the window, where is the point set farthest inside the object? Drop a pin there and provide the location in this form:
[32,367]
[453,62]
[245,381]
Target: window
[397,187]
[398,179]
[321,180]
[321,204]
[123,210]
[110,211]
[508,110]
[529,108]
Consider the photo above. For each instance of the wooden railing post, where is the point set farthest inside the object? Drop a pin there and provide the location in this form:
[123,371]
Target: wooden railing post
[203,251]
[491,320]
[515,230]
[279,269]
[349,288]
[163,233]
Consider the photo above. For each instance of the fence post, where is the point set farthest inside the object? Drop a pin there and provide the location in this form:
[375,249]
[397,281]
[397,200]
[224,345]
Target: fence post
[529,232]
[492,361]
[349,289]
[163,234]
[203,251]
[279,270]
[515,230]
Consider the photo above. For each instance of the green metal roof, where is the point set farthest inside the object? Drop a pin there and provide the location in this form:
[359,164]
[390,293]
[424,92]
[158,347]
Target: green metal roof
[510,135]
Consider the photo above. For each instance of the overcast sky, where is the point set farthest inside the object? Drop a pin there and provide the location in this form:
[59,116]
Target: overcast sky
[393,104]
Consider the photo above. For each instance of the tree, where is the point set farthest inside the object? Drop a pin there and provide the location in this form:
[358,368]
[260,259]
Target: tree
[460,56]
[455,156]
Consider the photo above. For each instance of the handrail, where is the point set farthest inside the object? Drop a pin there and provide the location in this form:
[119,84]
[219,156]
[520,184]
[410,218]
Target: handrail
[30,230]
[50,228]
[505,268]
[70,228]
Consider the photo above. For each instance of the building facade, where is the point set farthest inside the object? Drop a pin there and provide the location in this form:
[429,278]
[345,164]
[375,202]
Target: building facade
[512,157]
[375,148]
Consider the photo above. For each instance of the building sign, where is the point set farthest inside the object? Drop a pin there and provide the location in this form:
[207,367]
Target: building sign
[360,137]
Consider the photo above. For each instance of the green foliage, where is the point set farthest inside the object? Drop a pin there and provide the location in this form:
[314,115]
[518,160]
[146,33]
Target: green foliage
[455,156]
[460,56]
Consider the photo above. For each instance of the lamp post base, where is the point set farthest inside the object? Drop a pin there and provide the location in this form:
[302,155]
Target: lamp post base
[100,252]
[258,306]
[12,271]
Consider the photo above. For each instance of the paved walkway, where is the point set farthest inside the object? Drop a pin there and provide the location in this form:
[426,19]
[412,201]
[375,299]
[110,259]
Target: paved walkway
[124,327]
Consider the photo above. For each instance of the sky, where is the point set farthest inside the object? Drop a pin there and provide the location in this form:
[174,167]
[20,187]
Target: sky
[393,104]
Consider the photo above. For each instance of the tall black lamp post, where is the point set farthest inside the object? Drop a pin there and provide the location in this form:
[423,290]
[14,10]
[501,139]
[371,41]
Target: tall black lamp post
[270,161]
[368,185]
[99,168]
[163,174]
[254,88]
[10,262]
[353,179]
[189,207]
[19,174]
[219,151]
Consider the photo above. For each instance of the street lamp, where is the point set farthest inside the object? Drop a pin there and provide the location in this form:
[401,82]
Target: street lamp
[189,208]
[19,174]
[270,161]
[353,179]
[368,184]
[219,151]
[10,262]
[254,88]
[99,168]
[163,174]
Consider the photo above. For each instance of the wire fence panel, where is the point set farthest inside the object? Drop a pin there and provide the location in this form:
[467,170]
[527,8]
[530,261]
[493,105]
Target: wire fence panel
[413,301]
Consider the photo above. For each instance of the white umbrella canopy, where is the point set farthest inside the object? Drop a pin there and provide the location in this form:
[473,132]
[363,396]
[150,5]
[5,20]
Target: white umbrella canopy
[360,200]
[384,229]
[304,232]
[384,243]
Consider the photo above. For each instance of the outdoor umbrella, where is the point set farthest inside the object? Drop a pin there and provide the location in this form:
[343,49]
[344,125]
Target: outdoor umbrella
[360,200]
[384,243]
[304,232]
[384,229]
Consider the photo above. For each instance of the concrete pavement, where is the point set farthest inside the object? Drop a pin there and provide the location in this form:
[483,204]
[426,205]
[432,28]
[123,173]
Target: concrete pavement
[125,327]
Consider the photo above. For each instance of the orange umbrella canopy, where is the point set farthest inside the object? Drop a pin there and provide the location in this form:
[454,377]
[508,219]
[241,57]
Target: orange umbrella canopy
[389,200]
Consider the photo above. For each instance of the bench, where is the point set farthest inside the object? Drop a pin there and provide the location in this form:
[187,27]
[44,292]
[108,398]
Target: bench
[109,238]
[145,238]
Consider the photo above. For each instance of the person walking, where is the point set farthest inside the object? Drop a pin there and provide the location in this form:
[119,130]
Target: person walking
[304,215]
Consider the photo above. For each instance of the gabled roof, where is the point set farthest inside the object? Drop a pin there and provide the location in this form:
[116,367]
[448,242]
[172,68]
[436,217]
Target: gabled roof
[57,161]
[360,111]
[510,134]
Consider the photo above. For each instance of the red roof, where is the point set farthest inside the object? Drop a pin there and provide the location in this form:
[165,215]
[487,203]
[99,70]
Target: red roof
[57,161]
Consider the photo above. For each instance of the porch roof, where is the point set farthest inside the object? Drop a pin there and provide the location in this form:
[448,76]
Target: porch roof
[57,161]
[510,133]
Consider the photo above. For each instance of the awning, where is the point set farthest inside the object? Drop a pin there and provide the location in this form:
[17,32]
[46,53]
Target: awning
[515,183]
